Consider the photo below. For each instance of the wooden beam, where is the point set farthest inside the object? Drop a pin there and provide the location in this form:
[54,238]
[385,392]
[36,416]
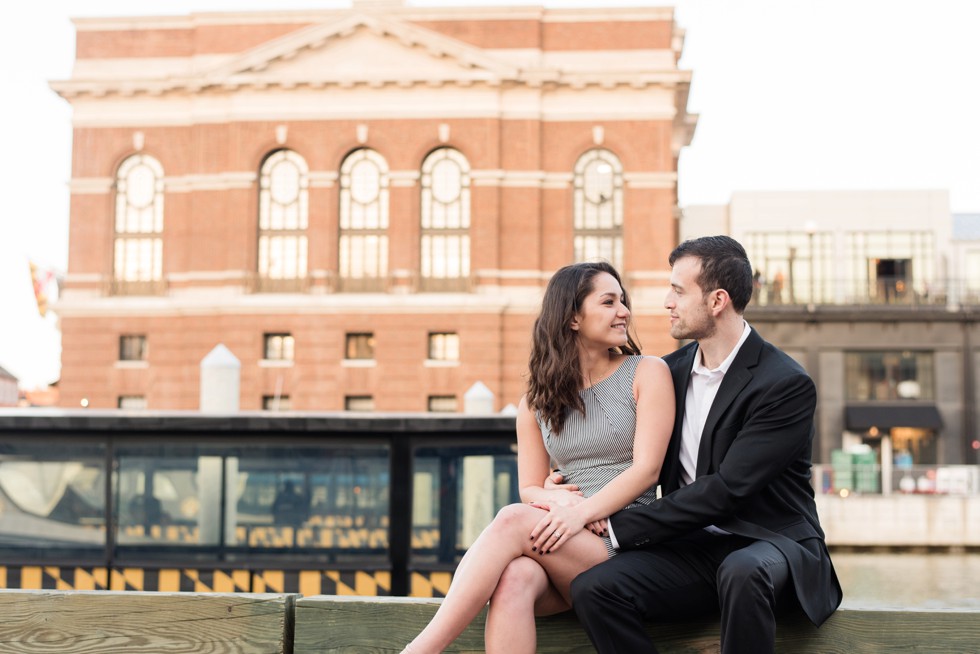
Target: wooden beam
[334,624]
[117,622]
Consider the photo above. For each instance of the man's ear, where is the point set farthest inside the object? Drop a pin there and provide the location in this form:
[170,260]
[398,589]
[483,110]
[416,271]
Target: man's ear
[719,300]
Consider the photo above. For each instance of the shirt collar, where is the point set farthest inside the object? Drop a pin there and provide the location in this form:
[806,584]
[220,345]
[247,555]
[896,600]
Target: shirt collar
[698,368]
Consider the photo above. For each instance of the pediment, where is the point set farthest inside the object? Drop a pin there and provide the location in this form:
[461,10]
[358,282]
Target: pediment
[360,49]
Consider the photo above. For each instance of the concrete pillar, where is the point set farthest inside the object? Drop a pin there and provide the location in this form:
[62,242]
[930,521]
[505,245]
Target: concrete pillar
[220,381]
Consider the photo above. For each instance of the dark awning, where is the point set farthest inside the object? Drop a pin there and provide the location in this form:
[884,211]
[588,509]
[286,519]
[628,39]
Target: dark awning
[885,416]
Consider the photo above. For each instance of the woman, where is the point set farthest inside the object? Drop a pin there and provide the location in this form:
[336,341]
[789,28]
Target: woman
[604,414]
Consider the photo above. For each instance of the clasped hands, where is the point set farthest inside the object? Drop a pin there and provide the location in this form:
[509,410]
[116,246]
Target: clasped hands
[562,520]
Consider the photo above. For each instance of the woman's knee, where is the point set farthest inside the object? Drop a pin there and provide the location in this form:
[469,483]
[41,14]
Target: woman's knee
[523,577]
[514,515]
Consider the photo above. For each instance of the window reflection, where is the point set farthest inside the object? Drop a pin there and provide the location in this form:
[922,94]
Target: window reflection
[52,497]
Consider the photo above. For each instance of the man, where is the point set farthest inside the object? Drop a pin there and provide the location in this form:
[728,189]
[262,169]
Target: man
[737,526]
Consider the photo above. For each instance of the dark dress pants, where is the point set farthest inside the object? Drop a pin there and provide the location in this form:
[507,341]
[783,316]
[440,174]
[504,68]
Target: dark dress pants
[696,575]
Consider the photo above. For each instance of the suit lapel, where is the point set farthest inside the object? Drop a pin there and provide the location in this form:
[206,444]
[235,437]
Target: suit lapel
[680,370]
[736,378]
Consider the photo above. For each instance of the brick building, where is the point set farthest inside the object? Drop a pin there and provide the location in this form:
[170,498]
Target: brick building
[363,205]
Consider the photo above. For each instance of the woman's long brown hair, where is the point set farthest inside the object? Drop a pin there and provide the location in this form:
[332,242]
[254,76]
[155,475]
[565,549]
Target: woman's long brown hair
[555,377]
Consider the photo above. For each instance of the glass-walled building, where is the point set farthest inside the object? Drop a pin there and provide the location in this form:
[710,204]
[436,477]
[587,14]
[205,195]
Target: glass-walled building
[872,292]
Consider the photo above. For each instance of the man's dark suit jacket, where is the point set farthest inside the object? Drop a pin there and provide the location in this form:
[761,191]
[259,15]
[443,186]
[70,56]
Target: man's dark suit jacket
[753,470]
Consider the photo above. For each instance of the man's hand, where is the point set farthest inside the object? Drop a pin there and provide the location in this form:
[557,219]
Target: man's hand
[571,497]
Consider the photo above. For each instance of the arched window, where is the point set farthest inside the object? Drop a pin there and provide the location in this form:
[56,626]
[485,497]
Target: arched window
[599,207]
[283,219]
[363,251]
[138,242]
[445,255]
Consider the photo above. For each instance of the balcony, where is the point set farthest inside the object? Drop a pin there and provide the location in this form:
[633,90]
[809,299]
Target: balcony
[884,293]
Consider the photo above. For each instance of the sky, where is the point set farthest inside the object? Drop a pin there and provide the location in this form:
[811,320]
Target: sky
[792,95]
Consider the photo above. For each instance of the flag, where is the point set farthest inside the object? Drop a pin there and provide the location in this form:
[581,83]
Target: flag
[41,278]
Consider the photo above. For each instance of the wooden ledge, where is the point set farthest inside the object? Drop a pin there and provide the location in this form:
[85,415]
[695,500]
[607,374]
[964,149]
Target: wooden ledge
[114,622]
[326,623]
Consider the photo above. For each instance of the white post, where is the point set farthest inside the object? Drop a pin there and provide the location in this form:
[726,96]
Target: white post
[220,381]
[478,399]
[478,486]
[887,463]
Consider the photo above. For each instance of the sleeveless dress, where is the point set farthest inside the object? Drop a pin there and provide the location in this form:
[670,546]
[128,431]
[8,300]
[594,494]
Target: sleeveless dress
[594,448]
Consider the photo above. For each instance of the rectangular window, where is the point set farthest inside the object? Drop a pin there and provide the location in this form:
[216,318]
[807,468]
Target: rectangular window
[442,403]
[444,346]
[279,347]
[359,403]
[276,403]
[132,347]
[889,375]
[132,402]
[359,346]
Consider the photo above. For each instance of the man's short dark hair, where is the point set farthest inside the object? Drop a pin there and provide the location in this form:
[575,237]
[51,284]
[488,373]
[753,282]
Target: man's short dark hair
[724,265]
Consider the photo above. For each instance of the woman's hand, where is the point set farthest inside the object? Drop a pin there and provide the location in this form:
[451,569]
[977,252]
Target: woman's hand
[554,481]
[555,528]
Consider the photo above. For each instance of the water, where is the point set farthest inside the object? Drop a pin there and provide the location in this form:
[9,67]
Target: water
[905,580]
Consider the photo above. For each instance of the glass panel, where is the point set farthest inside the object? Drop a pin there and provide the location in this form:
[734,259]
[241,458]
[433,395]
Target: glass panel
[443,403]
[889,375]
[276,403]
[359,403]
[327,499]
[314,498]
[456,493]
[138,249]
[598,207]
[283,217]
[445,214]
[132,402]
[363,239]
[279,347]
[444,346]
[132,348]
[52,497]
[359,346]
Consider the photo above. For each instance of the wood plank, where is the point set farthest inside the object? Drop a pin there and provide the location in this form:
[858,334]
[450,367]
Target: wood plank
[114,622]
[334,624]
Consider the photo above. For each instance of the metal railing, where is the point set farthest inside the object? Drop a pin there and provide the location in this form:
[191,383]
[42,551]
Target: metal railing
[868,478]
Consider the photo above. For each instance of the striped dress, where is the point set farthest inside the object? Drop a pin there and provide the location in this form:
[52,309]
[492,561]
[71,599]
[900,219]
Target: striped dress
[594,448]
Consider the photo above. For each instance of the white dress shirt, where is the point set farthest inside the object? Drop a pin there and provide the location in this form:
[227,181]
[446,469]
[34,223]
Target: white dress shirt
[701,391]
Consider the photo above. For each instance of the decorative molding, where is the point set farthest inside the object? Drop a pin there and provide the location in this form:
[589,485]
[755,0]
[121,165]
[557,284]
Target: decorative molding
[218,182]
[281,132]
[90,185]
[655,180]
[139,140]
[361,133]
[598,134]
[443,132]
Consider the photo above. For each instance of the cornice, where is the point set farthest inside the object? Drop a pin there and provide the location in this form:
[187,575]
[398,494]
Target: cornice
[474,67]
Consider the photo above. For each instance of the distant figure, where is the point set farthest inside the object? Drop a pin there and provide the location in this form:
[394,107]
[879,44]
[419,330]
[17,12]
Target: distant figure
[758,282]
[777,288]
[290,506]
[147,510]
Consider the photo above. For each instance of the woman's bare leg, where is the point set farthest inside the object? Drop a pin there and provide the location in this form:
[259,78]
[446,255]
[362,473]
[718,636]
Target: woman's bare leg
[506,538]
[523,592]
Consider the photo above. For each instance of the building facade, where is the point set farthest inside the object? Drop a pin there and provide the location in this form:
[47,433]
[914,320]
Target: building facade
[874,293]
[362,205]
